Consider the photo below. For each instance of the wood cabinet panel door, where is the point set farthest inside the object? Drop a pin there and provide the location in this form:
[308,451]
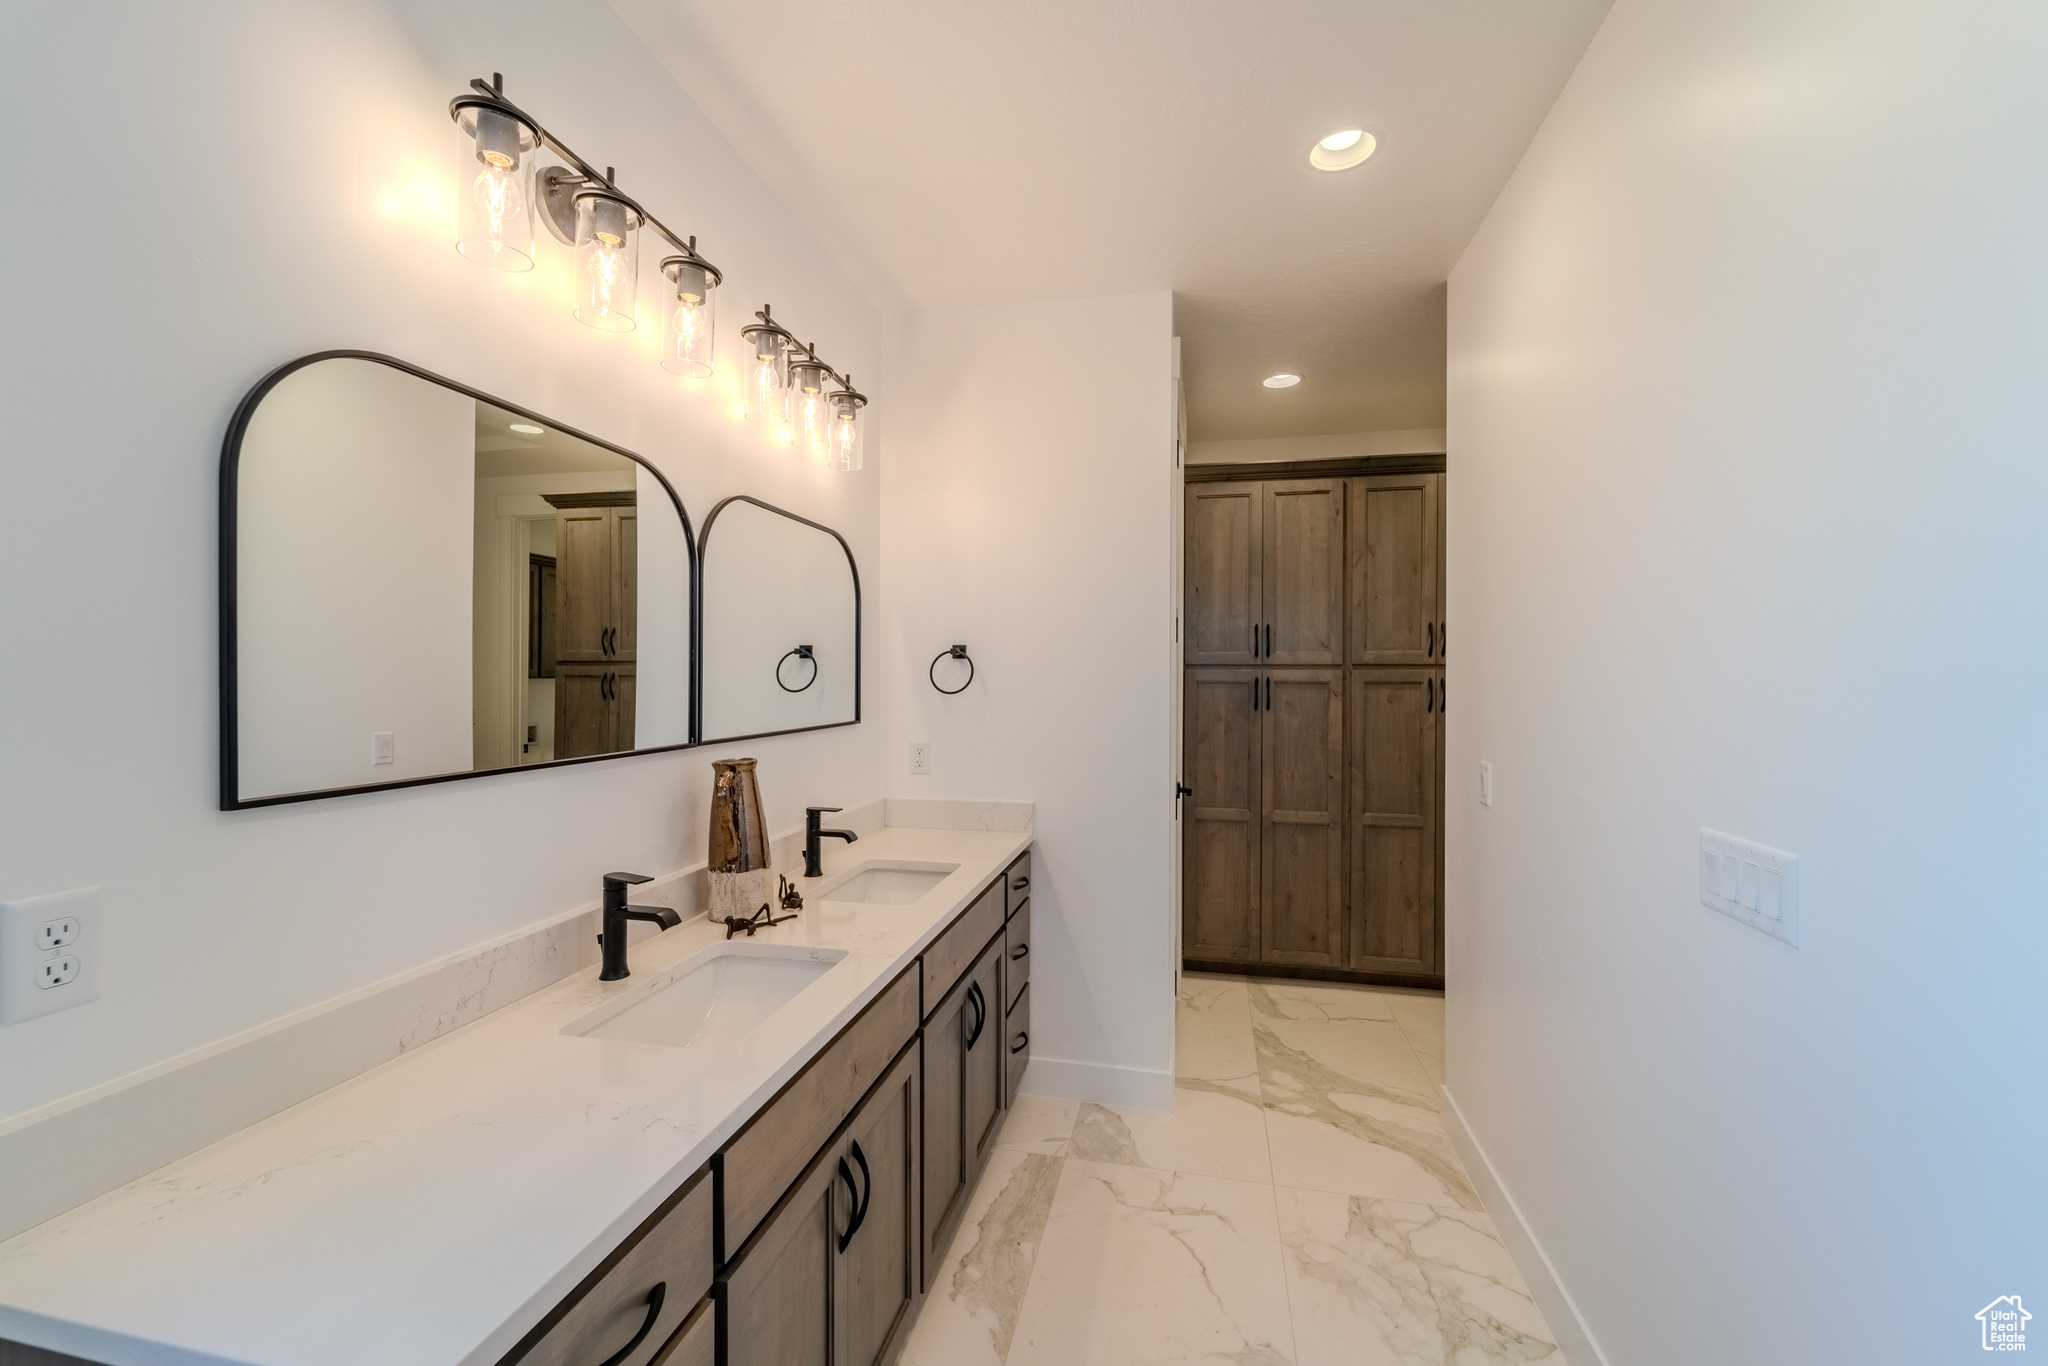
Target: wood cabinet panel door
[877,1286]
[777,1297]
[622,707]
[1225,533]
[1303,582]
[1301,858]
[1220,820]
[625,583]
[1395,589]
[946,1154]
[583,584]
[985,1057]
[1395,736]
[583,710]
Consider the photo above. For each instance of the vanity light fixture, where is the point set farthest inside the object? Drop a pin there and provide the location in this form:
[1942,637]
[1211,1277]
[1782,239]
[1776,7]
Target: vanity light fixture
[813,407]
[768,347]
[843,444]
[1343,149]
[687,313]
[1282,380]
[607,257]
[495,154]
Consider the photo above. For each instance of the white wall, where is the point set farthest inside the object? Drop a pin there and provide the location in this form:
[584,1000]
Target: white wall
[1344,446]
[254,182]
[1746,415]
[1028,516]
[354,490]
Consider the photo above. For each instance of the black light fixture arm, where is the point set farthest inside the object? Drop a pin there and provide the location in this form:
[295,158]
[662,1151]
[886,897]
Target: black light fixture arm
[493,92]
[808,351]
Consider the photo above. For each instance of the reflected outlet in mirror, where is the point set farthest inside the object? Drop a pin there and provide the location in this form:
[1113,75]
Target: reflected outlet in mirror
[712,999]
[885,884]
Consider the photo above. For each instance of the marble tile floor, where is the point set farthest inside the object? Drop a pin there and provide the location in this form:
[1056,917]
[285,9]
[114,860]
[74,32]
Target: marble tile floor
[1298,1206]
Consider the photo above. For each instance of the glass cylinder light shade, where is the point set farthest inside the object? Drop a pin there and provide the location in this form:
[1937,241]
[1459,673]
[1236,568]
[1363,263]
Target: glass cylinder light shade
[686,318]
[607,261]
[494,168]
[843,434]
[812,407]
[767,378]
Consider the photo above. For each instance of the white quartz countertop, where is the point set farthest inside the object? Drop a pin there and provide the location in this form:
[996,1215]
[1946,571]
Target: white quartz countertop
[431,1210]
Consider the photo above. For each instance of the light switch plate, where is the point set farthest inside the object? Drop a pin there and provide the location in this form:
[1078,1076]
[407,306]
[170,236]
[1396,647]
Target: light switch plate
[1752,883]
[49,939]
[1485,783]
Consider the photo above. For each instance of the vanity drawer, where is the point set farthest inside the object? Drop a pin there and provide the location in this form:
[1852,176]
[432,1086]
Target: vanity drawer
[1017,883]
[696,1342]
[778,1143]
[961,943]
[671,1250]
[1017,1043]
[1017,957]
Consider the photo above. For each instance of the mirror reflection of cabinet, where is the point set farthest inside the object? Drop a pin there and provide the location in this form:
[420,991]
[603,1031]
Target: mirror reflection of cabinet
[596,594]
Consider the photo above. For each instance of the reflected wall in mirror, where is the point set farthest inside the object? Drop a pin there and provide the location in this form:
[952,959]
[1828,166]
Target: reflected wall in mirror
[422,583]
[781,645]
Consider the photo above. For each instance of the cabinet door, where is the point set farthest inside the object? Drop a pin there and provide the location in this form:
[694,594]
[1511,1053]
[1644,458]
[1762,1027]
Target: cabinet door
[776,1296]
[1225,532]
[877,1286]
[583,584]
[1395,588]
[1304,572]
[1395,735]
[1220,820]
[1302,825]
[583,710]
[622,707]
[625,584]
[983,1099]
[946,1154]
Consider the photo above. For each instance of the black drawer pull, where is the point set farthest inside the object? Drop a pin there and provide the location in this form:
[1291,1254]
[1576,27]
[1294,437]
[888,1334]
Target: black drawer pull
[1023,1042]
[1019,952]
[1020,884]
[654,1299]
[980,1004]
[859,1213]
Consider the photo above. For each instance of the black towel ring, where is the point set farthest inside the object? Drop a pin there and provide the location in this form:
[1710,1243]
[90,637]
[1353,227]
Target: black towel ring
[801,652]
[957,652]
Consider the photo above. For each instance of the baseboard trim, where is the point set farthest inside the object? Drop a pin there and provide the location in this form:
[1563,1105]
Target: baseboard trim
[1289,970]
[1099,1082]
[1574,1338]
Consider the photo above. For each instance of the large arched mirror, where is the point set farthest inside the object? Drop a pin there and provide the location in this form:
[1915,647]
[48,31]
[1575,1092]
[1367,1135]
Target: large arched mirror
[781,645]
[421,583]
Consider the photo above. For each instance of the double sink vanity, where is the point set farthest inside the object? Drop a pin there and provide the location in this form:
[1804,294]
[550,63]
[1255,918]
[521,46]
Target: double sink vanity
[751,1150]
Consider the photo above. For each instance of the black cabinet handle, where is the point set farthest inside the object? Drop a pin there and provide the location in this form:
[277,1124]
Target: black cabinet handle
[1017,954]
[861,1197]
[654,1299]
[1443,697]
[1023,1042]
[852,1204]
[1429,694]
[1269,692]
[1443,639]
[1430,636]
[980,1004]
[1020,884]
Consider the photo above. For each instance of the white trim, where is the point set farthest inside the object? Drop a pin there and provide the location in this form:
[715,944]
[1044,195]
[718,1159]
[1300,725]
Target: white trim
[1099,1082]
[1574,1338]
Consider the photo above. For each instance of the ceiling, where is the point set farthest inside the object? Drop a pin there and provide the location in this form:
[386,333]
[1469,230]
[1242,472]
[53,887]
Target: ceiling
[501,452]
[960,151]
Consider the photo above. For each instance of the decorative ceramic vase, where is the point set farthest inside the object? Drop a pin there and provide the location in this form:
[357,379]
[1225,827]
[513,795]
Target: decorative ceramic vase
[741,879]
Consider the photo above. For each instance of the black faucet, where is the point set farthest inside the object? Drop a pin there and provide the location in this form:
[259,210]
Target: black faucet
[812,834]
[617,913]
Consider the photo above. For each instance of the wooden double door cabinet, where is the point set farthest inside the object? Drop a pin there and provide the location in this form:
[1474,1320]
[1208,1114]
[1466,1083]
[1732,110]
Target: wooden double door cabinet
[1313,707]
[596,623]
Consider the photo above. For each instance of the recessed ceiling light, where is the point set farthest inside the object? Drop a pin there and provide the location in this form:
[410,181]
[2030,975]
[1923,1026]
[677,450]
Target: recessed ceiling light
[1282,381]
[528,429]
[1342,150]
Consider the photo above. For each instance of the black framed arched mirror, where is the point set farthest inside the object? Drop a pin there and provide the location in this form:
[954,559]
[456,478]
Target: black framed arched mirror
[421,583]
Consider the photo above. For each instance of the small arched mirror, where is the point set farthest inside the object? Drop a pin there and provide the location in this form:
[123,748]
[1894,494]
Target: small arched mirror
[781,646]
[420,583]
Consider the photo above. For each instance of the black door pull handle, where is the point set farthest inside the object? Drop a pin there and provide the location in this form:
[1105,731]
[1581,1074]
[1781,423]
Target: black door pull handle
[1443,697]
[1023,1042]
[1429,694]
[861,1197]
[1017,954]
[1443,639]
[852,1204]
[1429,635]
[975,999]
[654,1299]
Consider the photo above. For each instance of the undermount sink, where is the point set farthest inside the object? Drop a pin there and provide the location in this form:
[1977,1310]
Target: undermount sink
[712,1000]
[888,884]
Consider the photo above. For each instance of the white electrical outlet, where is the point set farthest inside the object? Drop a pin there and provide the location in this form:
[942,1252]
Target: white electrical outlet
[49,953]
[1752,883]
[921,757]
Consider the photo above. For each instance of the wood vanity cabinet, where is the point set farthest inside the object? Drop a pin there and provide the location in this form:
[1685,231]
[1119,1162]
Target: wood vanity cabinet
[963,1096]
[830,1278]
